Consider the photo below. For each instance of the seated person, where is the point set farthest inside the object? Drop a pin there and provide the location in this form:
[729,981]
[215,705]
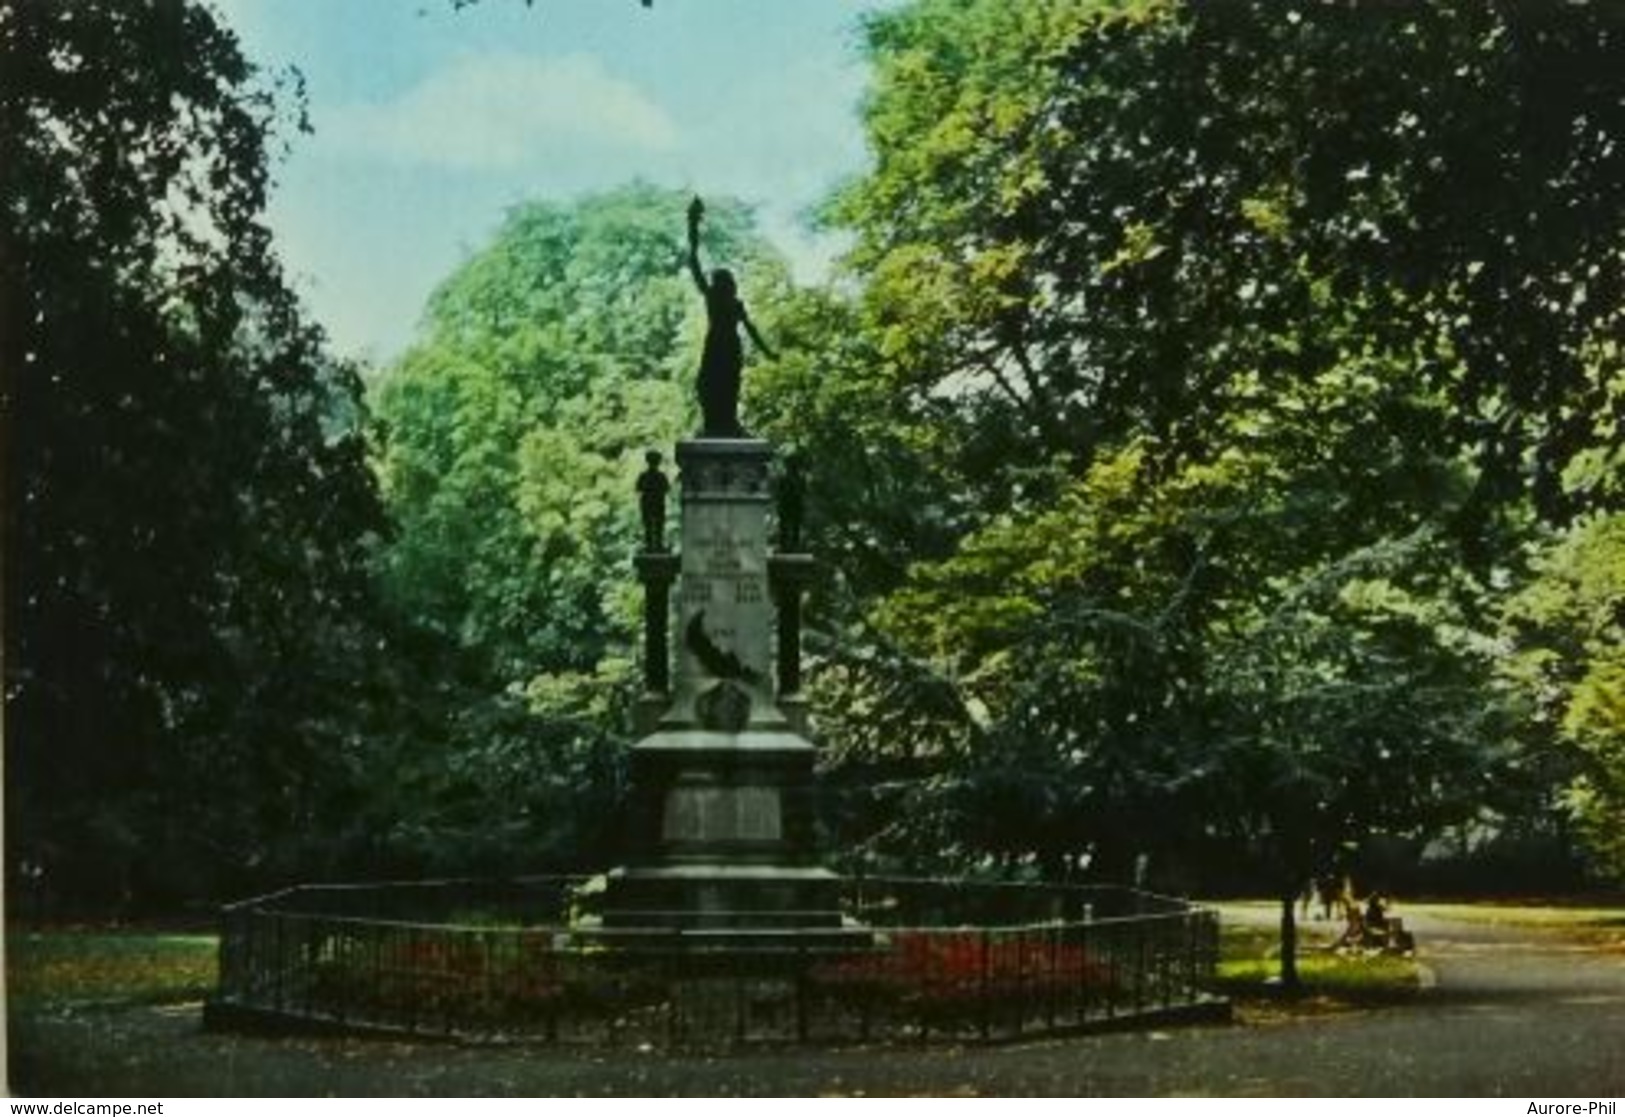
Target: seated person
[1376,920]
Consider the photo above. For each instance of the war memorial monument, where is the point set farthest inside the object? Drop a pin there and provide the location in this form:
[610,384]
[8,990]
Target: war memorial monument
[719,924]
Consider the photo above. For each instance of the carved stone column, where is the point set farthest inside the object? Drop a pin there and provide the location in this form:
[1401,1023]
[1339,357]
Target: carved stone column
[789,574]
[657,571]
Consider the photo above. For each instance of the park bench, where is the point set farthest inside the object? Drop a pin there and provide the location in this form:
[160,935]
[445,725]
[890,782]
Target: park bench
[1390,936]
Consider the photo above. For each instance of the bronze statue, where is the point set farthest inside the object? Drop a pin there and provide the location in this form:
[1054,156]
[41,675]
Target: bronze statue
[724,355]
[652,489]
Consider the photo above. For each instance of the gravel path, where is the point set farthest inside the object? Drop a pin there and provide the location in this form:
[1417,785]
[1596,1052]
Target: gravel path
[1513,1011]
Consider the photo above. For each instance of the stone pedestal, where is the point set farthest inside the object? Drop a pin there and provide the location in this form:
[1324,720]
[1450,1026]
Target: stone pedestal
[720,827]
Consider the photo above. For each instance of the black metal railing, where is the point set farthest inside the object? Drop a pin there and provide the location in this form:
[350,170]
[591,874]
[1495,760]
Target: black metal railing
[521,959]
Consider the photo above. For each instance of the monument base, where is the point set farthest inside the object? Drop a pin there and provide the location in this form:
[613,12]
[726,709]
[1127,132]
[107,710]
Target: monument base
[721,840]
[722,896]
[727,908]
[720,836]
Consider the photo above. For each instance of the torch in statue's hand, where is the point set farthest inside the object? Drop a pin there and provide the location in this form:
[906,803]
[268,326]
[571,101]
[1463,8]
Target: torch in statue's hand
[696,213]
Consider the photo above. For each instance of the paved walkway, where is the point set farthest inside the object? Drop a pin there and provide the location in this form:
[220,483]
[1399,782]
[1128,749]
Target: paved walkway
[1515,1011]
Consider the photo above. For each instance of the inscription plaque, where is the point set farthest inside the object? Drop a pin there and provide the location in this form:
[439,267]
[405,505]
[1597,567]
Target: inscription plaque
[722,814]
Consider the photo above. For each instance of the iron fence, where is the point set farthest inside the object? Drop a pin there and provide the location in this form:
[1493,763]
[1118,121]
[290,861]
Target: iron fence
[520,960]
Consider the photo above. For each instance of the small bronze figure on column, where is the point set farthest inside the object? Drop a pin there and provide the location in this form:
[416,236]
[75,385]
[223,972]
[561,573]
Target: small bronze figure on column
[657,568]
[790,570]
[652,489]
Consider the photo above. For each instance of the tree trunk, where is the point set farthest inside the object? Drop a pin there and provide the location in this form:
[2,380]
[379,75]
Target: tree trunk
[1289,939]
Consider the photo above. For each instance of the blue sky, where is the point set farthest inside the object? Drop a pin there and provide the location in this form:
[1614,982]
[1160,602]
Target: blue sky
[430,122]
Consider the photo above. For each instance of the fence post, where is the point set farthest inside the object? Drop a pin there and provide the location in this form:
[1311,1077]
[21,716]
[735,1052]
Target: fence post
[1211,940]
[1165,963]
[986,998]
[449,953]
[1193,948]
[228,955]
[1140,966]
[408,966]
[927,975]
[1054,980]
[340,963]
[487,1010]
[1021,980]
[380,939]
[311,954]
[280,969]
[1114,970]
[552,986]
[802,990]
[223,953]
[1086,957]
[865,1007]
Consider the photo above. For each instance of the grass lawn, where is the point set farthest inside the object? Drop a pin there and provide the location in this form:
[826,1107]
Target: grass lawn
[59,967]
[1250,964]
[1356,975]
[1594,926]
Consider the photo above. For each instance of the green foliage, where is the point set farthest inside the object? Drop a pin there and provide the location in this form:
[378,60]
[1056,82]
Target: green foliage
[1087,219]
[1363,703]
[1569,628]
[1245,338]
[877,498]
[1203,650]
[503,781]
[957,89]
[187,503]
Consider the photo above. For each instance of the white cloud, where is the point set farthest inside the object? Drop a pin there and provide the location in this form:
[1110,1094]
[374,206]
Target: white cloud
[500,112]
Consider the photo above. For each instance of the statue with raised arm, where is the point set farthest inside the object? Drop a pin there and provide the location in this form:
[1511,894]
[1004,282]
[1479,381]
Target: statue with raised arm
[724,356]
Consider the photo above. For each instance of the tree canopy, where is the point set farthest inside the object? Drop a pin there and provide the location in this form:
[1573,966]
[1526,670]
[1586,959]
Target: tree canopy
[1086,218]
[1261,348]
[187,502]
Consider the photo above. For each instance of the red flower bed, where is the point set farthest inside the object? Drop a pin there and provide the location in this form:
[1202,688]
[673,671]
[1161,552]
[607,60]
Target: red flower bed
[457,975]
[947,968]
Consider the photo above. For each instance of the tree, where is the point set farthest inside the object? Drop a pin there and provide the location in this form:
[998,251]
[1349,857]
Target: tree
[1084,218]
[1568,628]
[1252,340]
[877,495]
[1362,704]
[1276,649]
[187,503]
